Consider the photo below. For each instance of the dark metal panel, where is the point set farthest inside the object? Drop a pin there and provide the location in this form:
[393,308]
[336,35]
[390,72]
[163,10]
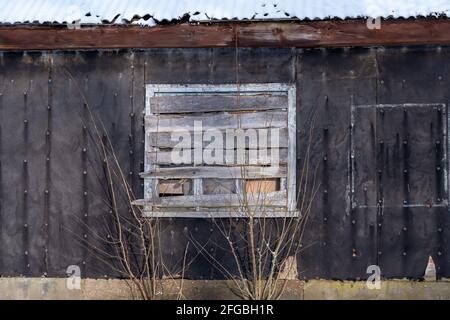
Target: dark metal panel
[24,105]
[411,185]
[220,66]
[102,83]
[420,75]
[337,239]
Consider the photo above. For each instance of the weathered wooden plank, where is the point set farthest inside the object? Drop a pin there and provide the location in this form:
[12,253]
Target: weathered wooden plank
[276,199]
[216,172]
[229,157]
[179,187]
[248,120]
[268,212]
[164,140]
[216,103]
[229,34]
[262,186]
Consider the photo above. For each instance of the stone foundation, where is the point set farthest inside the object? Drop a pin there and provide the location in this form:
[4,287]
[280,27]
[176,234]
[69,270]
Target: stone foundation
[56,288]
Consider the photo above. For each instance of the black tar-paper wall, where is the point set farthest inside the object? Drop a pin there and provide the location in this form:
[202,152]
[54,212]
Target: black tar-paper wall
[352,111]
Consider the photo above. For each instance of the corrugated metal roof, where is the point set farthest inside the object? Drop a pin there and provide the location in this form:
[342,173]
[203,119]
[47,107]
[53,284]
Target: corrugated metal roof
[148,12]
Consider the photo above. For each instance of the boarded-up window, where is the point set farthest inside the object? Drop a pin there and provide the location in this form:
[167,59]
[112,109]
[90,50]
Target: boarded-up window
[212,150]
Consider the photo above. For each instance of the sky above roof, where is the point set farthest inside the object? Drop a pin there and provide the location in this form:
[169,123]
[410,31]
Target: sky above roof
[149,12]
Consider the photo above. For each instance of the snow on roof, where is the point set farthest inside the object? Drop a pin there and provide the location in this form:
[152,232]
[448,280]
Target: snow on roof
[149,12]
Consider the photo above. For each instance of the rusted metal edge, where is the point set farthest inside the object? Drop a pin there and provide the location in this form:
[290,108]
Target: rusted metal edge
[348,33]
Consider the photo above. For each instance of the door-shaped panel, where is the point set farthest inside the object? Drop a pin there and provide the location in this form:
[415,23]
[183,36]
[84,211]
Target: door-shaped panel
[399,171]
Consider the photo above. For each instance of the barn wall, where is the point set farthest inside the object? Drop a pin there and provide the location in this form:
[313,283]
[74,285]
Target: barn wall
[51,185]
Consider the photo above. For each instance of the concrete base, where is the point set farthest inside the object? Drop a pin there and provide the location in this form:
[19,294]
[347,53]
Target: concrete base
[56,288]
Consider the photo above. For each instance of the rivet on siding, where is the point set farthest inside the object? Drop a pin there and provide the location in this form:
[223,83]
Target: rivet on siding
[115,94]
[405,171]
[132,114]
[325,219]
[382,81]
[47,133]
[85,215]
[325,158]
[84,262]
[131,173]
[405,229]
[325,191]
[440,230]
[85,236]
[25,225]
[84,172]
[379,253]
[25,191]
[404,253]
[25,121]
[49,107]
[379,171]
[131,151]
[84,150]
[24,93]
[46,191]
[25,161]
[47,159]
[85,193]
[438,168]
[405,202]
[439,253]
[405,142]
[324,244]
[381,142]
[26,253]
[379,225]
[353,222]
[49,80]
